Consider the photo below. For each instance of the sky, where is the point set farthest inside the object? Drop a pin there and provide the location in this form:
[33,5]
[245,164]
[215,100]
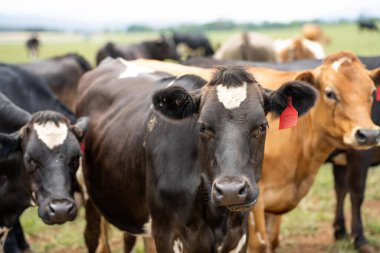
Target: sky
[169,12]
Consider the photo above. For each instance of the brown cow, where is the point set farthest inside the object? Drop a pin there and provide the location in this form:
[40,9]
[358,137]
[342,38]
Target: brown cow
[298,49]
[341,119]
[314,32]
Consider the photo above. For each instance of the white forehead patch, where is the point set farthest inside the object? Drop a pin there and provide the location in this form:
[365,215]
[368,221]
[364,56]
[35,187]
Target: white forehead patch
[231,97]
[336,64]
[51,134]
[178,246]
[240,245]
[132,69]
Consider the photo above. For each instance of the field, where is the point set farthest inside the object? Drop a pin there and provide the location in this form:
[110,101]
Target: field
[307,229]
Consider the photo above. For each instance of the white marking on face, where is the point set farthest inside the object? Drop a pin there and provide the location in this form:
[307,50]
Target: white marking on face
[148,227]
[178,246]
[231,97]
[152,123]
[51,134]
[336,64]
[240,245]
[132,69]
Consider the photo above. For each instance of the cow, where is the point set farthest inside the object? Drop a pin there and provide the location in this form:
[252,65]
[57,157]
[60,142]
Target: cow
[189,45]
[367,25]
[371,62]
[340,119]
[249,46]
[314,32]
[32,46]
[297,49]
[350,166]
[31,148]
[167,156]
[62,74]
[158,49]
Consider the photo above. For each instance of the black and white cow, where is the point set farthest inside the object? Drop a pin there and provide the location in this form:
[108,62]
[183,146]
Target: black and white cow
[174,157]
[41,145]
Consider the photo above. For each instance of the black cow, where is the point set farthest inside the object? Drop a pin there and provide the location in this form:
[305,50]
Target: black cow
[350,167]
[32,46]
[50,163]
[188,164]
[367,25]
[159,49]
[62,74]
[198,44]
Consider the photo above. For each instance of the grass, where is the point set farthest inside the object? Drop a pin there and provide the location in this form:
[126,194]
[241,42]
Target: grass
[12,50]
[309,225]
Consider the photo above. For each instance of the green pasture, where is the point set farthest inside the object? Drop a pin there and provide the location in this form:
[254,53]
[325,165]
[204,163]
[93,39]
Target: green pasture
[308,228]
[12,49]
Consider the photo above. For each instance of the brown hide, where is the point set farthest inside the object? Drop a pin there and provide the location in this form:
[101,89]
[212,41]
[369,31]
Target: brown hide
[288,173]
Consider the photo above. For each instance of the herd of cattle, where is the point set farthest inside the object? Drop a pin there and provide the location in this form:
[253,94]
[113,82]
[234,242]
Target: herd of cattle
[182,154]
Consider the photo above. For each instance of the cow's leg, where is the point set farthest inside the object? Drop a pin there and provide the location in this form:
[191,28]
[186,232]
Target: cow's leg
[340,180]
[21,241]
[257,242]
[103,245]
[10,245]
[129,242]
[357,175]
[92,230]
[273,222]
[149,245]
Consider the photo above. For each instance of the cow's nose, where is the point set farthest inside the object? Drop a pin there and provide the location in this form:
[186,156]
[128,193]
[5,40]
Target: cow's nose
[62,210]
[367,137]
[231,192]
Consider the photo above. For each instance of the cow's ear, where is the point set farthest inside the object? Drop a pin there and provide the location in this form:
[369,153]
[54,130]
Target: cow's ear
[80,127]
[8,144]
[303,98]
[306,76]
[176,102]
[375,75]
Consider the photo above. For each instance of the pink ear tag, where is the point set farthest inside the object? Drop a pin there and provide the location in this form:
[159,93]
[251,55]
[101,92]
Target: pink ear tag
[289,116]
[378,93]
[82,147]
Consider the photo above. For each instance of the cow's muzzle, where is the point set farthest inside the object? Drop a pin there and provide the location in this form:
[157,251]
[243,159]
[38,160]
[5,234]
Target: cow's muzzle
[58,211]
[367,137]
[235,193]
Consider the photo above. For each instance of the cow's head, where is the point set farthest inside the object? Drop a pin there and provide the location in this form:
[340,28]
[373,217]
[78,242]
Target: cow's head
[50,150]
[346,95]
[231,111]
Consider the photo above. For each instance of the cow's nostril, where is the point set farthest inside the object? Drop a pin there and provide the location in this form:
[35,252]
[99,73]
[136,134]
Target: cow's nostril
[243,190]
[71,207]
[361,137]
[218,190]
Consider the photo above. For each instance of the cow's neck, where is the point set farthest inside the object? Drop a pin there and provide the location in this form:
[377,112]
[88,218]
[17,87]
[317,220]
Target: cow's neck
[291,162]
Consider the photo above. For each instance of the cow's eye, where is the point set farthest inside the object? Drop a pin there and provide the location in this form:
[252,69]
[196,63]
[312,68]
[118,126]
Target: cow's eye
[260,130]
[330,94]
[205,131]
[32,165]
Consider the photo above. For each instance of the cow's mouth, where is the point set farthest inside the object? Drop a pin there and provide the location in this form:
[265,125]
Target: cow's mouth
[242,207]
